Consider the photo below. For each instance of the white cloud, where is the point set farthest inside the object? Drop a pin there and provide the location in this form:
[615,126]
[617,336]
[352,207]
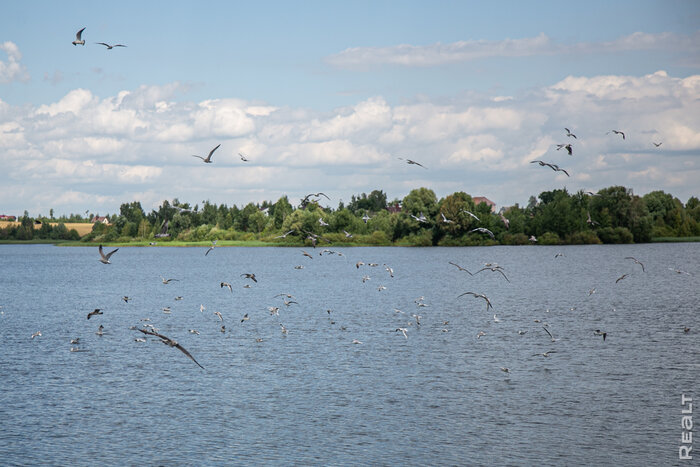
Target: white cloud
[12,69]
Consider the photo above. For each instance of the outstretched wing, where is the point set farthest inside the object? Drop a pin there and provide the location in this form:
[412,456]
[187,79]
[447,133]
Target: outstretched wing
[79,34]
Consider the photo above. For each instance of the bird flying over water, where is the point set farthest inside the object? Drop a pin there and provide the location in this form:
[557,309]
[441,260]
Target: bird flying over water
[78,38]
[171,343]
[598,332]
[249,276]
[483,230]
[478,295]
[636,261]
[460,268]
[226,284]
[167,281]
[110,47]
[493,269]
[104,258]
[621,277]
[96,311]
[213,244]
[208,158]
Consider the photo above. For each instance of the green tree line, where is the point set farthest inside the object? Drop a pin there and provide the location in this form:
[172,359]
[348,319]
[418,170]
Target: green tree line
[612,215]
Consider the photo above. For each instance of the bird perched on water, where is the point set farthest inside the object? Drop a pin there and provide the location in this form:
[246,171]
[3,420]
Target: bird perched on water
[636,261]
[78,38]
[110,47]
[96,311]
[478,295]
[104,258]
[208,158]
[172,343]
[411,162]
[569,133]
[568,148]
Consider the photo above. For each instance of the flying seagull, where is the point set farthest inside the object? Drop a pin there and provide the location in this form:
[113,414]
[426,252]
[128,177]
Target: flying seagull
[167,281]
[105,257]
[617,132]
[249,276]
[226,284]
[409,161]
[568,148]
[171,343]
[460,268]
[284,235]
[483,230]
[110,47]
[403,331]
[550,334]
[656,144]
[598,332]
[554,167]
[636,261]
[493,269]
[78,38]
[213,244]
[243,158]
[621,277]
[471,214]
[478,295]
[96,311]
[208,159]
[569,133]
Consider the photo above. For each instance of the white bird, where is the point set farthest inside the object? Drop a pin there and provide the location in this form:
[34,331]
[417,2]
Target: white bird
[496,320]
[636,261]
[484,230]
[167,281]
[36,334]
[218,313]
[471,214]
[321,222]
[569,133]
[403,331]
[78,38]
[104,258]
[411,162]
[208,158]
[446,220]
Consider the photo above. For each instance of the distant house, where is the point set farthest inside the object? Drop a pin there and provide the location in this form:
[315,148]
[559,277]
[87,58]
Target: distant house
[4,217]
[100,219]
[394,208]
[482,199]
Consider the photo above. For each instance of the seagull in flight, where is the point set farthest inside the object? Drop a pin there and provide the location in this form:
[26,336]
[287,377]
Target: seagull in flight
[208,159]
[478,295]
[226,284]
[445,219]
[483,230]
[657,144]
[550,334]
[636,261]
[617,132]
[569,133]
[568,148]
[545,354]
[249,276]
[493,269]
[213,244]
[104,258]
[471,214]
[78,38]
[460,268]
[554,167]
[598,332]
[167,281]
[96,311]
[243,158]
[284,235]
[110,47]
[412,162]
[171,343]
[403,331]
[36,334]
[621,277]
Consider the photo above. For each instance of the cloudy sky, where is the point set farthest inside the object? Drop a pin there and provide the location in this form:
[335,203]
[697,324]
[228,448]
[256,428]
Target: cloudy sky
[326,96]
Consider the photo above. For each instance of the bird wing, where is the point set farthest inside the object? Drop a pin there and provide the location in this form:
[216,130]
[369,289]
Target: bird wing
[111,253]
[547,331]
[106,45]
[79,34]
[118,45]
[212,152]
[199,157]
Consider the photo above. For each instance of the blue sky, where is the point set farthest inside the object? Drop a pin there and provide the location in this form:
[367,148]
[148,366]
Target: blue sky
[324,96]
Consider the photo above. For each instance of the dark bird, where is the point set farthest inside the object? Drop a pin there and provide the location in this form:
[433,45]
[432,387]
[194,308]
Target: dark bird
[110,47]
[493,269]
[104,258]
[243,158]
[554,167]
[78,38]
[478,295]
[411,162]
[208,159]
[305,199]
[306,254]
[171,343]
[568,148]
[213,245]
[126,299]
[598,332]
[249,276]
[656,144]
[96,311]
[569,133]
[621,277]
[636,261]
[226,284]
[550,334]
[617,132]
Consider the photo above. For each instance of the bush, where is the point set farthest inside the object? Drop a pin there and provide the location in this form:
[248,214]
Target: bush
[586,237]
[517,239]
[615,235]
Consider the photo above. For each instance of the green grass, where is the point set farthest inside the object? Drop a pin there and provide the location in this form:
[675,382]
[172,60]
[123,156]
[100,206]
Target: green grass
[675,239]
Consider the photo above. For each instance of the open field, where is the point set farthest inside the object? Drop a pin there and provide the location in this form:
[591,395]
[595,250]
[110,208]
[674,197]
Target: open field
[83,228]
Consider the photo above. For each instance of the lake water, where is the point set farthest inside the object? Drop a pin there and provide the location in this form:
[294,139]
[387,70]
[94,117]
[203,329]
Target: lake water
[311,396]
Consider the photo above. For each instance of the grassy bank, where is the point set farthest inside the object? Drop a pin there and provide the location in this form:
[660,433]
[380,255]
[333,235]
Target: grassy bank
[675,239]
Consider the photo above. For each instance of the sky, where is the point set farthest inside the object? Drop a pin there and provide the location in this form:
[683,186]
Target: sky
[326,97]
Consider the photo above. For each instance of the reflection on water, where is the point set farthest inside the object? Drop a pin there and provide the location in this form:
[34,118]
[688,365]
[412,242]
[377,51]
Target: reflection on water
[311,396]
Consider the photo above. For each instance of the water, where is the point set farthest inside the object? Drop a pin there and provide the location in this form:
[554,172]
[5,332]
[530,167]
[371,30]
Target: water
[312,396]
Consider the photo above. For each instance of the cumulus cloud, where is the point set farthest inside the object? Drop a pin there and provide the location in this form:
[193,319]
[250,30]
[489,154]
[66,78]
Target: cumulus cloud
[12,69]
[139,143]
[463,51]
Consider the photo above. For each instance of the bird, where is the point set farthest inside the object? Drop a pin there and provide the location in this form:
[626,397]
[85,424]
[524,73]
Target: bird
[347,234]
[75,341]
[226,284]
[686,329]
[471,214]
[621,277]
[505,220]
[78,38]
[412,162]
[171,343]
[381,287]
[202,308]
[460,268]
[480,334]
[321,222]
[243,158]
[289,302]
[446,220]
[493,269]
[554,167]
[100,330]
[569,133]
[590,221]
[495,319]
[598,332]
[104,258]
[249,276]
[274,310]
[208,159]
[657,144]
[422,219]
[545,354]
[36,334]
[484,230]
[284,235]
[678,271]
[110,47]
[389,270]
[505,370]
[478,295]
[96,311]
[166,310]
[306,254]
[178,298]
[591,291]
[636,261]
[193,331]
[403,331]
[558,255]
[167,281]
[568,148]
[365,218]
[288,295]
[218,314]
[213,244]
[126,299]
[550,334]
[245,317]
[355,341]
[533,239]
[617,132]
